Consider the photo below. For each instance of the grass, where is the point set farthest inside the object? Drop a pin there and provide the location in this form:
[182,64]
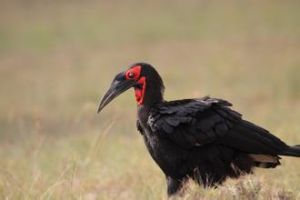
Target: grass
[58,58]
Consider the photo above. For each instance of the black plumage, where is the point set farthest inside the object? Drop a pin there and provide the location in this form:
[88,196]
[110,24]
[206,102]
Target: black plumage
[203,139]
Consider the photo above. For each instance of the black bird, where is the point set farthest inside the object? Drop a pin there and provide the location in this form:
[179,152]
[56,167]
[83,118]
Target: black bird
[202,139]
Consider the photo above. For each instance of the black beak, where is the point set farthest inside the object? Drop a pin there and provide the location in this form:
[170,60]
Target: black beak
[118,86]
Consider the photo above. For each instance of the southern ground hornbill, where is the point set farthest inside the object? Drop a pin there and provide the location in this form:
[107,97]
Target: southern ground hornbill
[202,139]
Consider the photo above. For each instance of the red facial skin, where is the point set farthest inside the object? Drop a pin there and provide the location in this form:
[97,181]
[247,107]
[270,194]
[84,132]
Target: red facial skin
[134,73]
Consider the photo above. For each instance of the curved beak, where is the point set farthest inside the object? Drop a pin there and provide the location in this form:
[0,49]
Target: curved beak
[118,86]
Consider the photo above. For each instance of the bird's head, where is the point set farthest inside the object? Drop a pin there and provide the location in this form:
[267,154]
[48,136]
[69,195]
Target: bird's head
[145,80]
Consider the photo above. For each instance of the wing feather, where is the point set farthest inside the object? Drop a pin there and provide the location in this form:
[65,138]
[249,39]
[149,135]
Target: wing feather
[193,122]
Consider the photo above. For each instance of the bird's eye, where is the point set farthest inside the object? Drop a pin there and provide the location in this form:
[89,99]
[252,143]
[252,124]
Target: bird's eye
[131,75]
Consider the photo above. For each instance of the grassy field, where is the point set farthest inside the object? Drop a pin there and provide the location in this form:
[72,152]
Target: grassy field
[58,58]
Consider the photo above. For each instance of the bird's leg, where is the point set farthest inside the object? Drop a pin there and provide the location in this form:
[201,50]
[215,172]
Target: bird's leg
[174,185]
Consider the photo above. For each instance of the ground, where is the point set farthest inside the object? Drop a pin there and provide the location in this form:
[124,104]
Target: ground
[58,58]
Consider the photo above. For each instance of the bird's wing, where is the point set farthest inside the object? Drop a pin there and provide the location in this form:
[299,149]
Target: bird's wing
[195,122]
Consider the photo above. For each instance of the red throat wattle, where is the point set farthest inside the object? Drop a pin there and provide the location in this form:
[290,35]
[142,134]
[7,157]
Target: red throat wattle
[135,74]
[140,92]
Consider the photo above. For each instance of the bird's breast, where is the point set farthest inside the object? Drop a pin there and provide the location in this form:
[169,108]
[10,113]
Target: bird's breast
[169,158]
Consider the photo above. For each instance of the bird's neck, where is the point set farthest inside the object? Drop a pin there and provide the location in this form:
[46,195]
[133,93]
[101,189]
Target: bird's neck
[148,95]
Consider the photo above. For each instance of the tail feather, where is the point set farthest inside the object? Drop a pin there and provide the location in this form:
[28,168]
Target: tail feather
[292,151]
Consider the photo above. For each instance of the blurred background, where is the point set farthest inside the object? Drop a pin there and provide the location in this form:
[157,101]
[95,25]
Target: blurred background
[57,58]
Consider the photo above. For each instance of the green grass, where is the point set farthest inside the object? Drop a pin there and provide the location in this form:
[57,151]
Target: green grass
[58,58]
